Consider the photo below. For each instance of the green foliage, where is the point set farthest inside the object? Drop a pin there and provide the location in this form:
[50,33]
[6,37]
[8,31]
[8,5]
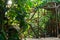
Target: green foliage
[20,12]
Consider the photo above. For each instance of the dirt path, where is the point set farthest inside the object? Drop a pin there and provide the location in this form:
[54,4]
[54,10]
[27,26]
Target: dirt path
[43,39]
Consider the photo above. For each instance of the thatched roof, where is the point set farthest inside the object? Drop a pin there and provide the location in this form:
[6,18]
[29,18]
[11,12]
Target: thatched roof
[49,4]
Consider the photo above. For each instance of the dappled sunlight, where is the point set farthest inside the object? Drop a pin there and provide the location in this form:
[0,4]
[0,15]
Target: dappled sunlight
[9,3]
[25,19]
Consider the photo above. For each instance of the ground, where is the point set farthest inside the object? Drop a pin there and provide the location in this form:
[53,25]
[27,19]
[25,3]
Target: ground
[50,38]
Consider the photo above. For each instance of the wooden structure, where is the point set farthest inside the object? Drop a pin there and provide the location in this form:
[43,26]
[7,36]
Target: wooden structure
[54,24]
